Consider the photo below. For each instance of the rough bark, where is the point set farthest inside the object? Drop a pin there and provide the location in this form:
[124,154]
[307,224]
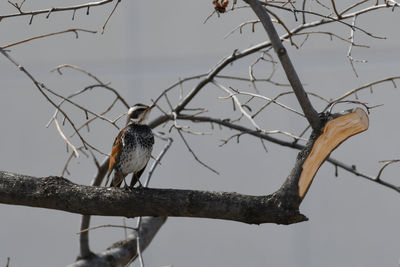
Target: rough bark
[60,194]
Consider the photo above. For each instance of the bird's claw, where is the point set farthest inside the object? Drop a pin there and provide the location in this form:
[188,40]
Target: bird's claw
[128,188]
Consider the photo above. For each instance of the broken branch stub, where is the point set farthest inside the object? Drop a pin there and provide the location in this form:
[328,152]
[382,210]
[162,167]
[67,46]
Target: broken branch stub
[333,134]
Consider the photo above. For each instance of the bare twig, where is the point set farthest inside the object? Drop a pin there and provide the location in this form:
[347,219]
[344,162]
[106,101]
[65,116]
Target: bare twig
[102,84]
[55,9]
[47,35]
[369,85]
[309,111]
[109,16]
[238,104]
[334,9]
[193,154]
[351,59]
[241,26]
[106,226]
[65,138]
[387,163]
[169,141]
[352,6]
[40,87]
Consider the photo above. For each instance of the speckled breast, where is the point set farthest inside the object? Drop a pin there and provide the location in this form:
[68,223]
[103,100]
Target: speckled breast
[136,151]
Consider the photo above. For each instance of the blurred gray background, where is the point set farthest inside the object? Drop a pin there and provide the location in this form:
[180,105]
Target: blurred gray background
[149,45]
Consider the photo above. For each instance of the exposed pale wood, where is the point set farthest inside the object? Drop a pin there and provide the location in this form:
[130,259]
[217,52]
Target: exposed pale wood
[333,134]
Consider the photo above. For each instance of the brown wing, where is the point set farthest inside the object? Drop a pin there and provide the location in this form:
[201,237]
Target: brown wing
[115,152]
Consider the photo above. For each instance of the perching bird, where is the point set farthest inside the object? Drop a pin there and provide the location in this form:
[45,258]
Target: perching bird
[132,147]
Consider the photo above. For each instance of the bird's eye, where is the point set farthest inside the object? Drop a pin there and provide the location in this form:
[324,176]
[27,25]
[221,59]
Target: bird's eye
[136,113]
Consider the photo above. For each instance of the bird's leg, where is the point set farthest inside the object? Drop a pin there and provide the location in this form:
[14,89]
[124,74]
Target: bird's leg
[126,186]
[140,184]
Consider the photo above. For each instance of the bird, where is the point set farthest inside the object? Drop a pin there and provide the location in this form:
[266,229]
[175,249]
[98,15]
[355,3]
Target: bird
[132,147]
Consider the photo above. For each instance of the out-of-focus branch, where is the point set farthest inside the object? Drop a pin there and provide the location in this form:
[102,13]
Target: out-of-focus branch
[309,111]
[85,222]
[120,253]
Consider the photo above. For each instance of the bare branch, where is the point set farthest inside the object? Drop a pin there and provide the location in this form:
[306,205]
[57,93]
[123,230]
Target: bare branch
[334,9]
[120,253]
[109,16]
[65,138]
[47,35]
[193,154]
[40,87]
[85,221]
[369,85]
[55,9]
[106,226]
[310,113]
[349,56]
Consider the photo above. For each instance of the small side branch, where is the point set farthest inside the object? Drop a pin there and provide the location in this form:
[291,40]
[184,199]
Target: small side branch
[49,34]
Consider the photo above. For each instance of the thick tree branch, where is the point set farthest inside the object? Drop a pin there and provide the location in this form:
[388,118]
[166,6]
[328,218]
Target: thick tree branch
[310,113]
[60,194]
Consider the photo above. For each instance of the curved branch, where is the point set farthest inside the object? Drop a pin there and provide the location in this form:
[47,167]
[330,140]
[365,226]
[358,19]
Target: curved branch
[47,35]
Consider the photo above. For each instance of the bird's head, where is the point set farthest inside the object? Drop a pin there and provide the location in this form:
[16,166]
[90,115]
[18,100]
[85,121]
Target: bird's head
[138,114]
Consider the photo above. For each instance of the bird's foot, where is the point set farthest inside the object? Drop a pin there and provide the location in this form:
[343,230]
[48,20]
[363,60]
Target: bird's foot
[128,188]
[140,185]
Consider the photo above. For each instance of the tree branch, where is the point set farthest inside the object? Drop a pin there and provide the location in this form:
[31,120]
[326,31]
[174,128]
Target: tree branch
[84,249]
[309,111]
[122,252]
[60,194]
[56,9]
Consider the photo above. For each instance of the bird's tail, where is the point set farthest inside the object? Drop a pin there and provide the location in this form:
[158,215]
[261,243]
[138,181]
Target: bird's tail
[117,179]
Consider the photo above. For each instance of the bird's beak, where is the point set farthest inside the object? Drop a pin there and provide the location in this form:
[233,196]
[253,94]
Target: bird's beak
[150,107]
